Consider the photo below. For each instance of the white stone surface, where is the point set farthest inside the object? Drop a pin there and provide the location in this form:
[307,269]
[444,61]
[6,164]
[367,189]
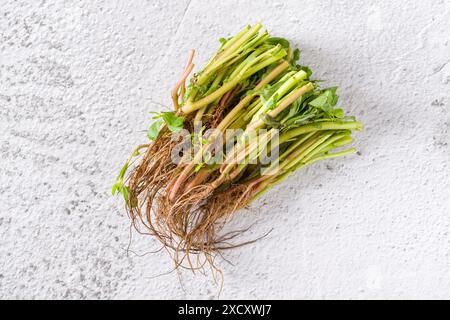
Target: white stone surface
[78,78]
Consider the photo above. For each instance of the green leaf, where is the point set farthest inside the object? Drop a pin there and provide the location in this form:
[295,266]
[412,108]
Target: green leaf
[122,171]
[319,102]
[174,123]
[338,113]
[114,189]
[296,55]
[153,130]
[293,61]
[299,104]
[125,193]
[277,40]
[326,100]
[332,97]
[302,118]
[198,167]
[119,187]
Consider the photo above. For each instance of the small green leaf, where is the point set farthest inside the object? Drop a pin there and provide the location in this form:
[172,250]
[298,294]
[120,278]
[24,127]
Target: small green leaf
[277,40]
[338,113]
[332,98]
[174,123]
[198,167]
[320,101]
[122,172]
[296,55]
[114,189]
[153,130]
[125,193]
[326,100]
[119,187]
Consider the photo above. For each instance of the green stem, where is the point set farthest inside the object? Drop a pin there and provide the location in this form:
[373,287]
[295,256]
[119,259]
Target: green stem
[331,155]
[248,69]
[293,96]
[289,84]
[319,126]
[227,54]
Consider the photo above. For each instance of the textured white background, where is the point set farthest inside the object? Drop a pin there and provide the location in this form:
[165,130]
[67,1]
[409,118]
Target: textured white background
[77,82]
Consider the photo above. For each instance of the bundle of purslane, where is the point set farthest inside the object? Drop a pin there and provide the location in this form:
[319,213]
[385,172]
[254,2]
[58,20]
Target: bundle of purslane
[280,121]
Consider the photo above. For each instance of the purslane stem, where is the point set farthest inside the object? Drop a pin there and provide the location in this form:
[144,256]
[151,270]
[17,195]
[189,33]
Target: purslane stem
[284,65]
[248,69]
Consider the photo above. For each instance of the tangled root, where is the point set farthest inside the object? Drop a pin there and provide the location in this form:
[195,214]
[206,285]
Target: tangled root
[191,225]
[148,181]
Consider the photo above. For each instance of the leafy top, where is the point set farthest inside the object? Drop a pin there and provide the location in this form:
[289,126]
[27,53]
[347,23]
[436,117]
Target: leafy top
[174,123]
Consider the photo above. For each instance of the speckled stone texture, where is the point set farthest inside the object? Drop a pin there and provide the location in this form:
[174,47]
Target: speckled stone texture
[77,82]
